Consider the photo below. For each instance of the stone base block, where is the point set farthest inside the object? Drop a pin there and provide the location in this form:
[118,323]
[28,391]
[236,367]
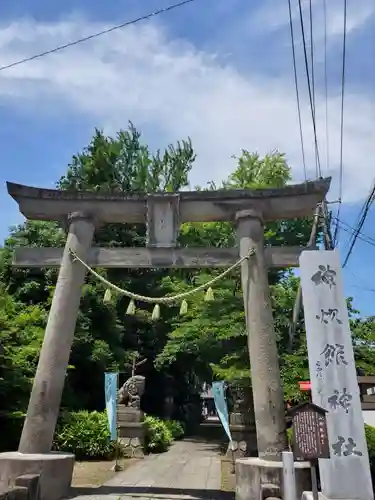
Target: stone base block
[132,439]
[128,414]
[257,479]
[55,469]
[308,495]
[244,441]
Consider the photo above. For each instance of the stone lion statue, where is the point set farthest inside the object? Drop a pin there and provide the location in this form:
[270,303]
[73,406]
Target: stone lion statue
[131,392]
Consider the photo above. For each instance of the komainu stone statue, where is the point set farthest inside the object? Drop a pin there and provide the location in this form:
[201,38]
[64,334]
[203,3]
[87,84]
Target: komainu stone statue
[131,392]
[131,430]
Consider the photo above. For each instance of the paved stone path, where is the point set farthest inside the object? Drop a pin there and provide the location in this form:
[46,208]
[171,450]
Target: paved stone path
[189,470]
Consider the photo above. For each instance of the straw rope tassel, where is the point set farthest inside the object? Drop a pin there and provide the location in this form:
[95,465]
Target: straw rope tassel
[107,296]
[156,312]
[184,307]
[131,308]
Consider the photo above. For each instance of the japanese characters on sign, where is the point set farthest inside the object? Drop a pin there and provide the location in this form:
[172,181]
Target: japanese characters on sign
[350,447]
[329,315]
[334,353]
[340,400]
[324,275]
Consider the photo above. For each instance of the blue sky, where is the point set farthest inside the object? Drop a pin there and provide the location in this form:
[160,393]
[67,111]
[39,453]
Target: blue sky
[217,71]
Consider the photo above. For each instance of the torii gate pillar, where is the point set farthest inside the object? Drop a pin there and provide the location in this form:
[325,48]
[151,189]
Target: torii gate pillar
[44,404]
[264,361]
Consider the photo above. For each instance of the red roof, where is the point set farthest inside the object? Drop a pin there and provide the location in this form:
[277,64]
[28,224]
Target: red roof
[305,385]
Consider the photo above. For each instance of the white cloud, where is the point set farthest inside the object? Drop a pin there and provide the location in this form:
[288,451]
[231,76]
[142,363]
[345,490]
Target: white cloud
[169,86]
[273,15]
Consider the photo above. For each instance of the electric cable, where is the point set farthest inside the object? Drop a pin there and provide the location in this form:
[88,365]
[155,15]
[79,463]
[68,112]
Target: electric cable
[296,87]
[96,35]
[358,235]
[353,231]
[341,174]
[317,156]
[326,83]
[359,226]
[312,55]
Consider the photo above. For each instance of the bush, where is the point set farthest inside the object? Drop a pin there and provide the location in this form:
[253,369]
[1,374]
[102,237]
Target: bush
[370,438]
[158,435]
[289,437]
[176,429]
[86,434]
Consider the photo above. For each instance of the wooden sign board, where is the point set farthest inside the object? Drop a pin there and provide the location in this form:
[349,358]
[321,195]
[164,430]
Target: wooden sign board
[310,437]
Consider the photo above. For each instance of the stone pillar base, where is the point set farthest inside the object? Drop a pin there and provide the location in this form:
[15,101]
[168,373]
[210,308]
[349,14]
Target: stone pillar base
[132,439]
[308,495]
[131,431]
[55,469]
[257,479]
[244,441]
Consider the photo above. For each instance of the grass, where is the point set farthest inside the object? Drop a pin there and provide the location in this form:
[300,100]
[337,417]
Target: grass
[228,477]
[96,473]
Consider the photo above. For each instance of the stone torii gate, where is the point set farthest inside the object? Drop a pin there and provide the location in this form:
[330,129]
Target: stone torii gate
[82,212]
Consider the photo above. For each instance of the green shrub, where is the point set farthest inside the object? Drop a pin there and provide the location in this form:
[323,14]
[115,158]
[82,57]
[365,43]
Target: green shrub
[158,435]
[86,434]
[289,436]
[370,438]
[176,428]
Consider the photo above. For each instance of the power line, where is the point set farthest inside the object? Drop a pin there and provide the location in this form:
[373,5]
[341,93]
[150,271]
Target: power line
[366,209]
[96,35]
[312,55]
[309,88]
[342,118]
[313,74]
[296,86]
[365,288]
[352,231]
[326,81]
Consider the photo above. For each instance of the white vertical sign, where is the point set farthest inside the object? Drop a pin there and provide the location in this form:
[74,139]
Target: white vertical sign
[346,475]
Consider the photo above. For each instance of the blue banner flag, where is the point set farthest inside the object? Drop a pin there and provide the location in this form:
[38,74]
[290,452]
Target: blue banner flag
[110,387]
[221,406]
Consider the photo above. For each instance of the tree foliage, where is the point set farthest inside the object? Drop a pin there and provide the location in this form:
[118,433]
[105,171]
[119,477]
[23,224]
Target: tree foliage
[177,353]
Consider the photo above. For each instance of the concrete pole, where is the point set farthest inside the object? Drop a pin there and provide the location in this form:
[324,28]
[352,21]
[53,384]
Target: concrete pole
[264,362]
[39,426]
[289,477]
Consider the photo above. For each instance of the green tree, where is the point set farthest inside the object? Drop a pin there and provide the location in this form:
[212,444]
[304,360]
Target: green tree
[212,336]
[105,338]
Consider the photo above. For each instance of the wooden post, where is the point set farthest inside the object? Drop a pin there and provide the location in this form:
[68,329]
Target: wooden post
[264,362]
[44,404]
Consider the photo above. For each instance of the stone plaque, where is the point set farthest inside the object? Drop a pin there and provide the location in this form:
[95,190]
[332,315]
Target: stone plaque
[162,220]
[310,437]
[333,377]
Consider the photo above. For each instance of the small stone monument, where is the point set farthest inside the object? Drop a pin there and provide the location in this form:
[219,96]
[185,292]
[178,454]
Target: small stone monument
[242,422]
[130,422]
